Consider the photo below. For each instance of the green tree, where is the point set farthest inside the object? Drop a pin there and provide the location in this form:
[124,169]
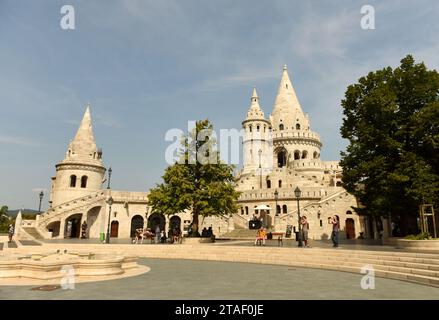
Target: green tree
[391,119]
[198,181]
[4,219]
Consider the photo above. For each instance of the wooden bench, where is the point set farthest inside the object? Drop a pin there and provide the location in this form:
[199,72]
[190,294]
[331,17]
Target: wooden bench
[279,236]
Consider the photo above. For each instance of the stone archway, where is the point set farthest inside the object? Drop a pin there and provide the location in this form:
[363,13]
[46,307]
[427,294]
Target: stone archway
[72,228]
[93,227]
[350,228]
[54,227]
[136,223]
[175,223]
[114,229]
[156,219]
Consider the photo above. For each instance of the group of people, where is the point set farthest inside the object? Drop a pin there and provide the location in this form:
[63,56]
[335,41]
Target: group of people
[207,233]
[261,235]
[159,236]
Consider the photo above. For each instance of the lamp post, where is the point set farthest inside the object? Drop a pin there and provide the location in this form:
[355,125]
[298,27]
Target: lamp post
[110,203]
[298,193]
[109,177]
[276,195]
[260,169]
[41,195]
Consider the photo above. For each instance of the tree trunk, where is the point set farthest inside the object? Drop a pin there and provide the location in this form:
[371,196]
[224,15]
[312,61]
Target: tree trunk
[195,221]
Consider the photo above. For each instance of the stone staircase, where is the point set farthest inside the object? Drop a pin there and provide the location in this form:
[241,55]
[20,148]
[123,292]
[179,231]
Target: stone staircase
[33,232]
[242,234]
[422,268]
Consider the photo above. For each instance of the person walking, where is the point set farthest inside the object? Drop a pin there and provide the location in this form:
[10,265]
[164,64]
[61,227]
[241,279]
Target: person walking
[335,221]
[305,228]
[10,232]
[157,234]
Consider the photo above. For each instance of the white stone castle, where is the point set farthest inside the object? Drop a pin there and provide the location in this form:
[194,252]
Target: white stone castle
[280,153]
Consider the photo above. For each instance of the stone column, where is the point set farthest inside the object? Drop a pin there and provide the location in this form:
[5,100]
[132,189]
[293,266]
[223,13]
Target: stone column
[385,227]
[277,226]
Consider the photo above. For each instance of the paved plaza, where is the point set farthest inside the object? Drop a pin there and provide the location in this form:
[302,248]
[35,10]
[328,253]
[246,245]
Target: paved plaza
[189,279]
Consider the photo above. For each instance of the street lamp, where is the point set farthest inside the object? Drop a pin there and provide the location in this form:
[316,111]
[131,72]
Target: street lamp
[109,177]
[110,203]
[41,195]
[276,195]
[298,193]
[260,169]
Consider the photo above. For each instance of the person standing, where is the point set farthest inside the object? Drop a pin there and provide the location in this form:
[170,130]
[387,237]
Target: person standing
[305,228]
[10,232]
[335,221]
[157,234]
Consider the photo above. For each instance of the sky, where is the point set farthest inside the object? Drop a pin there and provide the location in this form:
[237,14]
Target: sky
[150,66]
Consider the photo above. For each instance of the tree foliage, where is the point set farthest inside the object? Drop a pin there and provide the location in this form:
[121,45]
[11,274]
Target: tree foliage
[391,119]
[199,181]
[4,219]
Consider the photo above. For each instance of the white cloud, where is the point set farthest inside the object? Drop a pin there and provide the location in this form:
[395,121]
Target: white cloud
[21,141]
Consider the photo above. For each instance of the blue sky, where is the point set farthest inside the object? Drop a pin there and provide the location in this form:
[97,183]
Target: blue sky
[149,66]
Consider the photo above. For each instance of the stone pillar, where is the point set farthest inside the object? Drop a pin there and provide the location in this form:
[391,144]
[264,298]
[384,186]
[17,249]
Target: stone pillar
[277,226]
[17,227]
[62,226]
[167,225]
[385,222]
[375,229]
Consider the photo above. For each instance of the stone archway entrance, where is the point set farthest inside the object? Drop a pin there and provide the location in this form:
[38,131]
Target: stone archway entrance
[175,223]
[54,228]
[73,226]
[350,228]
[114,229]
[136,223]
[156,219]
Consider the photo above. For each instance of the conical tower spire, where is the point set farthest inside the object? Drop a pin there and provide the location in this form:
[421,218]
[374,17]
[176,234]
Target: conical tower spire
[83,146]
[287,109]
[255,111]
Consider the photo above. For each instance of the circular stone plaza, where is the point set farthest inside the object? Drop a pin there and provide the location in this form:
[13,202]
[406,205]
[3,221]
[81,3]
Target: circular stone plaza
[226,269]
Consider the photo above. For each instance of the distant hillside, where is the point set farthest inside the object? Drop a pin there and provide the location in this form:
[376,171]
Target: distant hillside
[13,213]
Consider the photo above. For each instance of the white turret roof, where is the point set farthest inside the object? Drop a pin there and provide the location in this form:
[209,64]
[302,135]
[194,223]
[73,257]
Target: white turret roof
[255,112]
[287,109]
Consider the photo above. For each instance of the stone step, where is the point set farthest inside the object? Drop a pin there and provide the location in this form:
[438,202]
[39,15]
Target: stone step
[33,233]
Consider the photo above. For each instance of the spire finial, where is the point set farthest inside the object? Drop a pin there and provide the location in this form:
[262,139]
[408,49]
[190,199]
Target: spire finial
[254,94]
[285,67]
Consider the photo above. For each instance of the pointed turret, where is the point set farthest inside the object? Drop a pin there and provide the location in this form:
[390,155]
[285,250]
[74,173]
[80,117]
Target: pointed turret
[255,111]
[82,169]
[287,110]
[83,146]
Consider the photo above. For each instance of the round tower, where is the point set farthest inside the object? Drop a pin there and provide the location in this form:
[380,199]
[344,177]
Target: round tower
[82,170]
[256,139]
[295,145]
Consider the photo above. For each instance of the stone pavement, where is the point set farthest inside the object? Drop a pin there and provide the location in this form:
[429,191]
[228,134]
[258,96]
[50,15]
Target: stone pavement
[189,279]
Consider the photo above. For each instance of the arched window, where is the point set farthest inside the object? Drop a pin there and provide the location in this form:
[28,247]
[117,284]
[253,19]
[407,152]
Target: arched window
[250,128]
[246,210]
[84,182]
[282,158]
[284,208]
[280,183]
[72,181]
[242,211]
[277,209]
[315,155]
[296,155]
[257,128]
[268,184]
[281,126]
[304,154]
[297,126]
[349,212]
